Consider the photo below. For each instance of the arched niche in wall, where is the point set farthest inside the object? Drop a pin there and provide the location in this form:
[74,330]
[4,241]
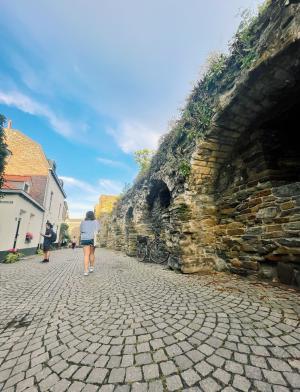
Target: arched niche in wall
[267,151]
[258,194]
[129,215]
[159,195]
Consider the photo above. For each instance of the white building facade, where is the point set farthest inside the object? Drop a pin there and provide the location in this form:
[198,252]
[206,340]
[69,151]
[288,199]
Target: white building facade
[21,219]
[54,202]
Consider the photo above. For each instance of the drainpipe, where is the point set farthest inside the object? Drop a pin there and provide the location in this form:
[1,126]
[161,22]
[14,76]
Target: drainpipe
[44,205]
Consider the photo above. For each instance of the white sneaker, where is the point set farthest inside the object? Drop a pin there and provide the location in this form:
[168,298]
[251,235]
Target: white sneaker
[91,269]
[85,273]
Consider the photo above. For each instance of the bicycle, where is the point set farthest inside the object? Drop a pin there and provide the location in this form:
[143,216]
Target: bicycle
[154,251]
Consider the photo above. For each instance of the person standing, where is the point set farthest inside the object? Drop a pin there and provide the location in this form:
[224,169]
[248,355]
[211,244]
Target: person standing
[73,244]
[88,229]
[47,241]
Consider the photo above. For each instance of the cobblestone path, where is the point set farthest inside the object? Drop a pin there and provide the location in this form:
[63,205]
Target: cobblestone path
[140,327]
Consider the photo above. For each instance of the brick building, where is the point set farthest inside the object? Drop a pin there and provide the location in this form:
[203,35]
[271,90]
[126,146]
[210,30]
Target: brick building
[105,205]
[34,176]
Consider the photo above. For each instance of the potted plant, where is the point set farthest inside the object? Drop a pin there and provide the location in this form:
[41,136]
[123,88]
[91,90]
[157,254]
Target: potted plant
[12,256]
[28,237]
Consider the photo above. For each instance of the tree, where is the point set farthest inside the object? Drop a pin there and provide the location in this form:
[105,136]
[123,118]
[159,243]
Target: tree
[143,159]
[64,235]
[3,149]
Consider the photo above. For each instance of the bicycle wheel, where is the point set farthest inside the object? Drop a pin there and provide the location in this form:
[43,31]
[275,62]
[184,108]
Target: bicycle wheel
[141,252]
[158,253]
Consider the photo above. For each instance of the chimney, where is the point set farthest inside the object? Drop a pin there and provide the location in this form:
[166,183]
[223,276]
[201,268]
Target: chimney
[9,124]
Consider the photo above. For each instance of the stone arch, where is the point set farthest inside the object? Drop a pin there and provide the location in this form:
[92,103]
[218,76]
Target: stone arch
[130,232]
[158,201]
[115,234]
[260,201]
[159,194]
[129,215]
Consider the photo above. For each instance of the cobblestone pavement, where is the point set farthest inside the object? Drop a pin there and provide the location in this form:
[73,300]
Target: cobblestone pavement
[141,327]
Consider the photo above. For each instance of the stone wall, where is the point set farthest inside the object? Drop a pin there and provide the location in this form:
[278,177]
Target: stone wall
[230,199]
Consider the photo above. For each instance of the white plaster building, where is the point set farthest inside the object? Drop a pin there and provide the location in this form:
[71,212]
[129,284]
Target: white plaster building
[20,218]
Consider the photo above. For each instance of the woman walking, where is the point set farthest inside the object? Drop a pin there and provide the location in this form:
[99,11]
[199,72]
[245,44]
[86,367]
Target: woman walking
[88,228]
[47,241]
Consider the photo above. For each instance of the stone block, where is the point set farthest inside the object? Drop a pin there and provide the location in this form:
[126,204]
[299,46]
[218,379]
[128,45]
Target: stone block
[267,271]
[289,242]
[220,265]
[287,190]
[288,205]
[267,213]
[272,228]
[235,232]
[292,226]
[250,265]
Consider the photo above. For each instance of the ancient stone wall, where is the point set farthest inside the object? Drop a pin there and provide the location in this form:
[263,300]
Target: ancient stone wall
[230,198]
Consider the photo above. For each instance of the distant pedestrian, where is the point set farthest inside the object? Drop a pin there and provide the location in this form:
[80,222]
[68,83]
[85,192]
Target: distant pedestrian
[73,244]
[88,229]
[48,239]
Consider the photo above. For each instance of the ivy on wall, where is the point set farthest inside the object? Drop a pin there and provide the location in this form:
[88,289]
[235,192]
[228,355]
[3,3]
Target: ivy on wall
[221,72]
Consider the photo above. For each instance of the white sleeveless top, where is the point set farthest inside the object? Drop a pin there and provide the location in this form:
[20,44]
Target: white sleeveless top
[88,228]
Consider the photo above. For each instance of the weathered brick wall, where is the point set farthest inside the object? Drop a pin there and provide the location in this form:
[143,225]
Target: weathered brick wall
[258,197]
[27,156]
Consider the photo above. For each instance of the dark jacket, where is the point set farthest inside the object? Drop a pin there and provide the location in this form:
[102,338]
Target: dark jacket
[47,240]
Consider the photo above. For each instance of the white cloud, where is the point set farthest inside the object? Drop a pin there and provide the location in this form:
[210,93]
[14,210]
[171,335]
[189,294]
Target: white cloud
[133,135]
[110,186]
[82,196]
[72,182]
[112,163]
[28,105]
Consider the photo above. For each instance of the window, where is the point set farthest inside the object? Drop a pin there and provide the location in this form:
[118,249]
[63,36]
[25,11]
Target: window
[26,187]
[51,197]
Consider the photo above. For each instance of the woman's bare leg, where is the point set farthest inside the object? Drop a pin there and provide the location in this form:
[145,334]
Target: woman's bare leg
[92,256]
[48,254]
[86,252]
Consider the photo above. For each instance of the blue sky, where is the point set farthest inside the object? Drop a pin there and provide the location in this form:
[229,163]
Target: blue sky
[95,80]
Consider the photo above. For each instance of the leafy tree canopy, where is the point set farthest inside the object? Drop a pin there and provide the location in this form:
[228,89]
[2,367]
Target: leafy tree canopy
[143,159]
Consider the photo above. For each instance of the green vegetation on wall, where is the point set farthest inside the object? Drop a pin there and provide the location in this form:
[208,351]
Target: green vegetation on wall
[184,168]
[220,73]
[183,212]
[219,76]
[143,159]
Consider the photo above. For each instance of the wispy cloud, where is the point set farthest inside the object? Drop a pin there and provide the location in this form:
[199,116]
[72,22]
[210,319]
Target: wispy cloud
[133,135]
[112,163]
[82,196]
[72,182]
[110,186]
[29,105]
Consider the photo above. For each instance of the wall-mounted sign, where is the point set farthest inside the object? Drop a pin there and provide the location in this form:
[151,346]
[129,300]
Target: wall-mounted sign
[6,201]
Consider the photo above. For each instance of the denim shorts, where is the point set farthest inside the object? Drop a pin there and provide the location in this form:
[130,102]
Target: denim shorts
[87,242]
